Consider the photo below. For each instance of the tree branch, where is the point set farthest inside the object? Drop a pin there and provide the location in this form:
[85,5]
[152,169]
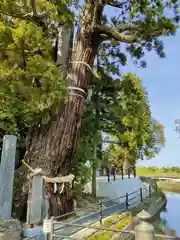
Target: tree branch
[97,13]
[128,33]
[33,5]
[27,17]
[111,141]
[127,27]
[116,4]
[115,34]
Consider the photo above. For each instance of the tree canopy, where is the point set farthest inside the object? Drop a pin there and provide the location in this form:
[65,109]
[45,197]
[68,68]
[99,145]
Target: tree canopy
[32,87]
[124,118]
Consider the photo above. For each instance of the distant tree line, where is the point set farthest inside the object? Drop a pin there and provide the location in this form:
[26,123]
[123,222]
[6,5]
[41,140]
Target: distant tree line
[162,169]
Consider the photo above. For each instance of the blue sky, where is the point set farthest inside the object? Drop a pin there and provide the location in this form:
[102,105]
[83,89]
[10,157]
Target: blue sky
[162,80]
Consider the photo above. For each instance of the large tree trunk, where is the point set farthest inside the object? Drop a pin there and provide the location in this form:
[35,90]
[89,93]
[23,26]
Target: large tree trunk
[52,147]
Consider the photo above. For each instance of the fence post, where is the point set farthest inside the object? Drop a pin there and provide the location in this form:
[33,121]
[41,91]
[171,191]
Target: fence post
[150,191]
[101,213]
[108,174]
[121,169]
[141,195]
[156,188]
[36,197]
[144,230]
[129,174]
[52,229]
[127,205]
[114,174]
[48,229]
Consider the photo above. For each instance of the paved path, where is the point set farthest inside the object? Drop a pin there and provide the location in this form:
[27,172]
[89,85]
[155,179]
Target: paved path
[61,230]
[64,230]
[110,207]
[69,230]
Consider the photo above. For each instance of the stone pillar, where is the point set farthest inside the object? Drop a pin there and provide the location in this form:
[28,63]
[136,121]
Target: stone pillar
[7,175]
[144,230]
[37,198]
[9,228]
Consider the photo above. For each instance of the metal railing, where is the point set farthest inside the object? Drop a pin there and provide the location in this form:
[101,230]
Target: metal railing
[102,211]
[116,231]
[37,237]
[162,237]
[143,231]
[126,201]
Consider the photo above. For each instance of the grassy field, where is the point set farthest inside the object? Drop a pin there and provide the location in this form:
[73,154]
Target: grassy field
[118,221]
[158,172]
[162,172]
[169,186]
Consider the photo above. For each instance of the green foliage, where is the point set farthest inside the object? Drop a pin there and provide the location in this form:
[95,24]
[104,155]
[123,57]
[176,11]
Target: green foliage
[89,135]
[82,176]
[159,172]
[125,116]
[113,222]
[31,85]
[163,169]
[136,132]
[139,25]
[169,186]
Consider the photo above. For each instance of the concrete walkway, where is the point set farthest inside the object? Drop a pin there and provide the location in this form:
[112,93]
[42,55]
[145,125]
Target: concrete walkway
[62,230]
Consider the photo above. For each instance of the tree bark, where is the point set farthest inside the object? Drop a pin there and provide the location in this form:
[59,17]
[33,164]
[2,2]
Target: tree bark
[52,147]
